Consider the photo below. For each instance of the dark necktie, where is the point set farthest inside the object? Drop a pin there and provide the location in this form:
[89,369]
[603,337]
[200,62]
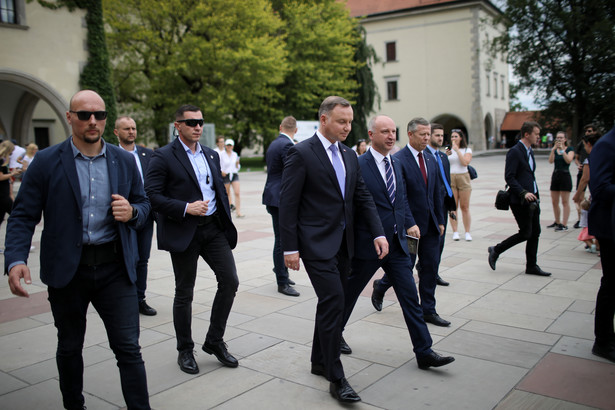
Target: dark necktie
[388,171]
[339,168]
[422,166]
[448,187]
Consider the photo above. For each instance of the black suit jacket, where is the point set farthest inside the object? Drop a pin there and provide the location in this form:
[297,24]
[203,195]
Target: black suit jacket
[51,188]
[314,217]
[602,187]
[392,215]
[518,174]
[171,183]
[276,155]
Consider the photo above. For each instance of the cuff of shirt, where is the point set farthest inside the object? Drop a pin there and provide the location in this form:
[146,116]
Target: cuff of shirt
[12,265]
[290,252]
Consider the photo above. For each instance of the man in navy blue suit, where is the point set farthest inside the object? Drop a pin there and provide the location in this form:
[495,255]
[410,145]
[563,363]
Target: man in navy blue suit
[322,195]
[524,200]
[185,186]
[275,157]
[383,177]
[92,197]
[602,226]
[126,133]
[426,219]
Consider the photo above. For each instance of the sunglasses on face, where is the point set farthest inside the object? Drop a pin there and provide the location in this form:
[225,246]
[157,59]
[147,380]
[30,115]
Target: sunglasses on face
[457,130]
[192,122]
[85,115]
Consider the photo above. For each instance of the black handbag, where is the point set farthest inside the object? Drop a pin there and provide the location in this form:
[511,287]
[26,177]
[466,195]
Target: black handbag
[472,172]
[502,199]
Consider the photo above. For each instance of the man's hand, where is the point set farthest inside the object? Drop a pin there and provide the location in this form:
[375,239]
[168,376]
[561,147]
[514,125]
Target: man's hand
[15,275]
[382,247]
[198,208]
[292,261]
[414,231]
[441,229]
[121,208]
[529,197]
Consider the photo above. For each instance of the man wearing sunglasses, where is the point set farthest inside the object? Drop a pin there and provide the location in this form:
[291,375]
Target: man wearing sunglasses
[93,199]
[184,184]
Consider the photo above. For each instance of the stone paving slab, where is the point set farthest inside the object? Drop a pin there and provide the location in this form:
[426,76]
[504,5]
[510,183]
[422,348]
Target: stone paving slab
[520,342]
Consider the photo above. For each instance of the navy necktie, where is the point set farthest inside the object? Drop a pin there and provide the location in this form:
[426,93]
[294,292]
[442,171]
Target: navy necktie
[388,171]
[339,168]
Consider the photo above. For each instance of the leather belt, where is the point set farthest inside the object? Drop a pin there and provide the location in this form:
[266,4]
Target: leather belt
[208,219]
[92,255]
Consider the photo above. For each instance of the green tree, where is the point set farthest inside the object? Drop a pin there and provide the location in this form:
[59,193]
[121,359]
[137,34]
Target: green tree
[563,52]
[226,56]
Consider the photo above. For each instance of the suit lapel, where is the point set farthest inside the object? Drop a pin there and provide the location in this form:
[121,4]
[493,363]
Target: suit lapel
[68,162]
[323,157]
[398,179]
[182,157]
[112,167]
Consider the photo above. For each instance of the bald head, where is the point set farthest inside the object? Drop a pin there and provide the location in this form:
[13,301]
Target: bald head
[383,133]
[87,96]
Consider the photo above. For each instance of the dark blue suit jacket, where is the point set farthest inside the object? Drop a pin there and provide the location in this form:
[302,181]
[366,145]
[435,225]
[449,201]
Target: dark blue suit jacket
[391,215]
[602,187]
[51,188]
[276,155]
[518,174]
[145,154]
[171,183]
[312,209]
[426,204]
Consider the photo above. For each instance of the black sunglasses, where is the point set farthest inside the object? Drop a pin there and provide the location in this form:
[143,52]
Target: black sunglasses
[192,122]
[456,130]
[85,115]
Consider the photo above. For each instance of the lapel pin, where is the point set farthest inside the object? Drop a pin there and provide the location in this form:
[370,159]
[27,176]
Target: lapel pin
[211,156]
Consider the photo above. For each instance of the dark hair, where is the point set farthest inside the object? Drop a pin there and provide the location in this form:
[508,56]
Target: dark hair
[436,126]
[590,125]
[415,122]
[179,114]
[289,124]
[592,138]
[330,103]
[464,141]
[528,128]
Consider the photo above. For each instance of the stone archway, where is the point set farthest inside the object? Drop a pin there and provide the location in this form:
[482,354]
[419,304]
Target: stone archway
[27,92]
[489,131]
[450,122]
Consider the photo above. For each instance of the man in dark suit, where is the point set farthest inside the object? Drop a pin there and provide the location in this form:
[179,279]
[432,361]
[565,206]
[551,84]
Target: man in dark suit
[444,168]
[93,200]
[275,157]
[524,200]
[427,216]
[602,226]
[322,194]
[126,133]
[184,185]
[383,178]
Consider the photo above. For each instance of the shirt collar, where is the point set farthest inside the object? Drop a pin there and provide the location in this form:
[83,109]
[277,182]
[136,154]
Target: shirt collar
[188,150]
[325,142]
[378,156]
[77,153]
[287,136]
[413,151]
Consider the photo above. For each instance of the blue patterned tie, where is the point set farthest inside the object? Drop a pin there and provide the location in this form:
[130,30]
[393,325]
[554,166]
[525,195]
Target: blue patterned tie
[388,171]
[339,168]
[448,187]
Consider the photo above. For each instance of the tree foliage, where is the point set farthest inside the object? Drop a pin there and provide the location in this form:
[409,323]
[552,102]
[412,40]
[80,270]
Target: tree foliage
[563,52]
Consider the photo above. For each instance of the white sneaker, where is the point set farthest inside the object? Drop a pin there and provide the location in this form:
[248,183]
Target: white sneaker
[455,236]
[468,236]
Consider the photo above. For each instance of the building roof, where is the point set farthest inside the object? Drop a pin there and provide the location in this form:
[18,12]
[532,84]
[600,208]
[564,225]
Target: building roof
[515,119]
[368,7]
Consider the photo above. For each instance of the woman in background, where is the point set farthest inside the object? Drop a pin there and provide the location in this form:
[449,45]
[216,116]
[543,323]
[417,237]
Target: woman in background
[229,165]
[561,156]
[460,156]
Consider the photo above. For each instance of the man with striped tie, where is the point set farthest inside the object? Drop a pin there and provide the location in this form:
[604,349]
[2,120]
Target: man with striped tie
[383,177]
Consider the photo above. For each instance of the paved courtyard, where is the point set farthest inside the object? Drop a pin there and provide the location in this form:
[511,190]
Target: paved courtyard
[520,341]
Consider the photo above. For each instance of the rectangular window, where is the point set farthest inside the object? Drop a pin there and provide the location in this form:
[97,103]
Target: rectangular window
[7,11]
[391,51]
[488,85]
[392,90]
[495,85]
[502,88]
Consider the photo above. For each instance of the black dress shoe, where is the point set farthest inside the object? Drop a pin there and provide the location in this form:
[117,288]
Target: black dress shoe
[287,290]
[435,319]
[344,348]
[342,391]
[535,270]
[433,360]
[317,369]
[577,224]
[219,350]
[606,352]
[441,282]
[493,256]
[186,362]
[146,309]
[377,297]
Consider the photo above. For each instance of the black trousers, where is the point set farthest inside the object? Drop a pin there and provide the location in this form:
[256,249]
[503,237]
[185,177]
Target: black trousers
[528,220]
[329,278]
[605,301]
[279,268]
[210,243]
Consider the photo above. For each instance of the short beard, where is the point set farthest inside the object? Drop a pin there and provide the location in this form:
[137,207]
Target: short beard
[90,140]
